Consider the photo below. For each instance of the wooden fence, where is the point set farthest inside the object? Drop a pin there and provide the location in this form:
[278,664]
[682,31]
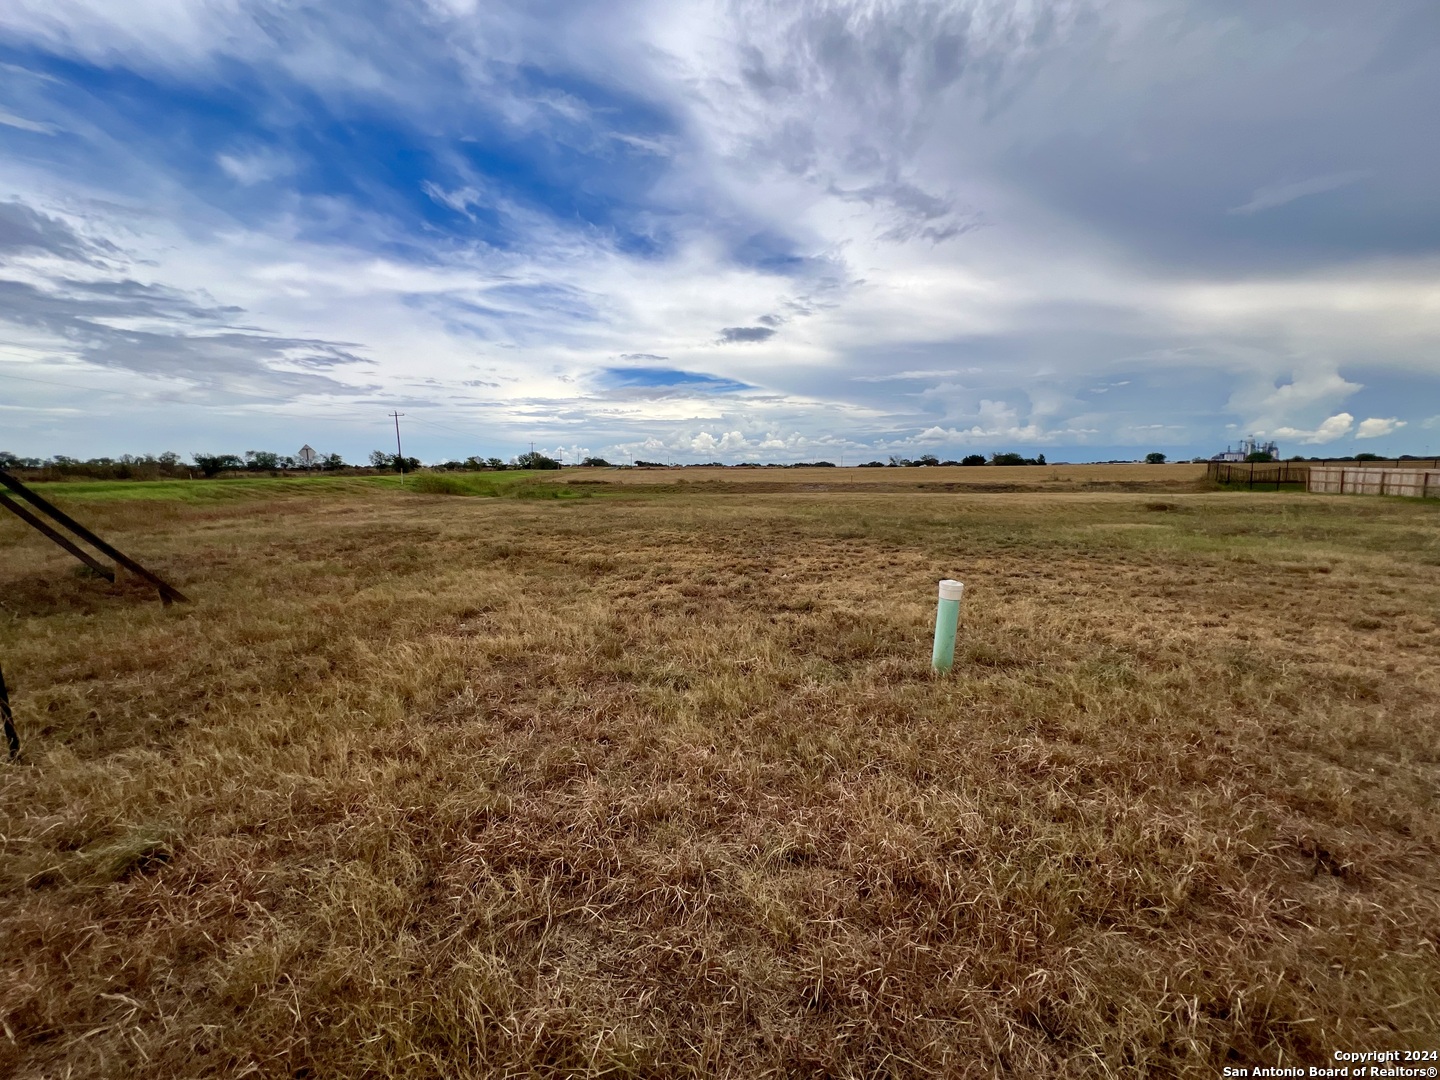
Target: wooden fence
[1417,483]
[1418,479]
[1259,474]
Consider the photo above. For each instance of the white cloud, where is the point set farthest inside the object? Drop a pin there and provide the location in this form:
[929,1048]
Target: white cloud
[1334,427]
[1374,427]
[9,119]
[897,376]
[852,136]
[255,167]
[460,200]
[1267,198]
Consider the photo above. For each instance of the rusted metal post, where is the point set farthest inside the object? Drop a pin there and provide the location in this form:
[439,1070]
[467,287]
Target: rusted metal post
[11,737]
[59,538]
[168,592]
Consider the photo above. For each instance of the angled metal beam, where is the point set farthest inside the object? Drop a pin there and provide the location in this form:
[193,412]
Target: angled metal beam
[59,538]
[8,718]
[168,592]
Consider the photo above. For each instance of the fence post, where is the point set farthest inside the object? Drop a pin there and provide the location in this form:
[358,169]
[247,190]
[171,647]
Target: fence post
[1251,485]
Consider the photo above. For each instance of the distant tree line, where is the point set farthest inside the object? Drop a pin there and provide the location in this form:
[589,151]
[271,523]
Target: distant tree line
[263,461]
[171,465]
[125,467]
[168,465]
[931,460]
[530,460]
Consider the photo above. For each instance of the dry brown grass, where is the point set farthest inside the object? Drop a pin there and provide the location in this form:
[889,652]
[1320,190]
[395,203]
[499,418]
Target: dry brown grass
[428,786]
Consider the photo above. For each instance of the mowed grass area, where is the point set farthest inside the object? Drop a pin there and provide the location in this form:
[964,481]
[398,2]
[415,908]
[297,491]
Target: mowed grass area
[521,483]
[663,786]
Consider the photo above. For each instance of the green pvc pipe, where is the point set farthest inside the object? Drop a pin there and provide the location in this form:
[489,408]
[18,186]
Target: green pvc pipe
[947,623]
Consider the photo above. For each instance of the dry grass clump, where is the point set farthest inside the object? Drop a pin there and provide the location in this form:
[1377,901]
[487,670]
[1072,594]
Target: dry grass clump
[425,786]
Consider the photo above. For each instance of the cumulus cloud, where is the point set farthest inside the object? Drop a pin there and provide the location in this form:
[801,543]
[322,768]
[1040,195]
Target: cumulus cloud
[1374,427]
[729,442]
[1331,429]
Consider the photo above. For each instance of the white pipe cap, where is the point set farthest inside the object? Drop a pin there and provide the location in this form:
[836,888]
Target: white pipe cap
[951,590]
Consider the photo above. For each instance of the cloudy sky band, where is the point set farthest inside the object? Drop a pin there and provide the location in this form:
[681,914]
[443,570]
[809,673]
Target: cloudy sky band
[744,231]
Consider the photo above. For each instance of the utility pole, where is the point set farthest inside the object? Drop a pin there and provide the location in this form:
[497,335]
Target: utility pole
[399,454]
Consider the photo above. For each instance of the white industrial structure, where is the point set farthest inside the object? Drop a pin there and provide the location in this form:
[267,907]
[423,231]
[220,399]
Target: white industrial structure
[1249,446]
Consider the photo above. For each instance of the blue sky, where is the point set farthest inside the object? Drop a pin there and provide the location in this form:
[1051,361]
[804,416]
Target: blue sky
[719,231]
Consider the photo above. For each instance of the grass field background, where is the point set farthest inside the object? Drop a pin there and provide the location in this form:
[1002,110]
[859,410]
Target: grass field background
[1028,476]
[660,784]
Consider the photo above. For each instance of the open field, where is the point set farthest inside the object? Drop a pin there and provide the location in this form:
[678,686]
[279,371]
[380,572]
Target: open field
[1176,477]
[250,488]
[661,785]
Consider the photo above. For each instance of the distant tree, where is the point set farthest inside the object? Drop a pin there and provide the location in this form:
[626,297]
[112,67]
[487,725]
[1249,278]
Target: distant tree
[8,460]
[926,459]
[1039,459]
[1155,458]
[379,459]
[261,460]
[1008,459]
[495,463]
[214,464]
[596,463]
[331,462]
[1259,455]
[899,462]
[535,460]
[169,459]
[873,465]
[1357,457]
[973,459]
[650,464]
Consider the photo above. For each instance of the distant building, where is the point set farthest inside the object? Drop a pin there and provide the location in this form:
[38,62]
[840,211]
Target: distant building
[1247,447]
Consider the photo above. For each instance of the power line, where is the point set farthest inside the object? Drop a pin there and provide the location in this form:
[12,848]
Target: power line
[399,454]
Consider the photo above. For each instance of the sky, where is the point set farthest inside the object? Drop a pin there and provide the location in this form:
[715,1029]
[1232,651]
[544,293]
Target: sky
[719,231]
